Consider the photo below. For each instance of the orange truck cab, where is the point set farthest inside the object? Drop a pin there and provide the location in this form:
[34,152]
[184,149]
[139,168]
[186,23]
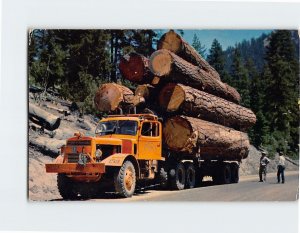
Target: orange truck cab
[125,148]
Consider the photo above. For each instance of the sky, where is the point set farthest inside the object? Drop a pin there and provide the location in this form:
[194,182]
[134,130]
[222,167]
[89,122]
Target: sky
[225,37]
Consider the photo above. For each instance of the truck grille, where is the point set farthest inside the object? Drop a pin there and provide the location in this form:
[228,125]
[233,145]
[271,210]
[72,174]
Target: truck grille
[73,158]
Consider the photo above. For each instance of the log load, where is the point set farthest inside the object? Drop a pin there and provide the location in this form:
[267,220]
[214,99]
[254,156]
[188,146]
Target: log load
[180,98]
[111,96]
[189,135]
[147,91]
[171,67]
[43,118]
[176,44]
[135,68]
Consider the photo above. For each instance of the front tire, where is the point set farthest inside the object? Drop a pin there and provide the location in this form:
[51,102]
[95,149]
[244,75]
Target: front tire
[125,180]
[66,187]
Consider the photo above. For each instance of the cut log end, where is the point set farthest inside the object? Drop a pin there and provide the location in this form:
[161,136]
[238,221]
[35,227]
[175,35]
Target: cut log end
[171,97]
[170,41]
[133,67]
[108,97]
[161,61]
[177,132]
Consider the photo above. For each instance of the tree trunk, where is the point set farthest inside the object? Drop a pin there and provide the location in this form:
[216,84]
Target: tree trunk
[171,67]
[135,68]
[191,135]
[179,98]
[111,96]
[176,44]
[43,118]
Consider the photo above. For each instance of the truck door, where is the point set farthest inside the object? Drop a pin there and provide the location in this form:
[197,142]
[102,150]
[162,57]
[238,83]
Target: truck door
[150,141]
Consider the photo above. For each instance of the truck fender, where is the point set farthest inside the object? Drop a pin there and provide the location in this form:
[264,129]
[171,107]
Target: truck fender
[117,160]
[59,159]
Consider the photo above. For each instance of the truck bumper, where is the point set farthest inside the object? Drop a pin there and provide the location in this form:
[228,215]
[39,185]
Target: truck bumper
[75,168]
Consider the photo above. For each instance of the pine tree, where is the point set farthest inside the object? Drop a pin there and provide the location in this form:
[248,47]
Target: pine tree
[282,91]
[240,79]
[198,46]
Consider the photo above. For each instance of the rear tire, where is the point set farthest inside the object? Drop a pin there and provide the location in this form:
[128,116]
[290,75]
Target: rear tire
[66,187]
[177,179]
[222,174]
[125,180]
[235,176]
[190,176]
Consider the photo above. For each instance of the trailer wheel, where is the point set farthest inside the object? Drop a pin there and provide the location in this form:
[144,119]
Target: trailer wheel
[66,187]
[235,176]
[125,180]
[222,174]
[190,176]
[178,177]
[226,174]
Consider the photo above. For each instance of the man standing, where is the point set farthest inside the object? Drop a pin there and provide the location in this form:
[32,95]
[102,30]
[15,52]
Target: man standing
[281,167]
[263,167]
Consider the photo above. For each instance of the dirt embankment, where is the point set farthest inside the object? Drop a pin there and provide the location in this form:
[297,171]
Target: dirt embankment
[44,145]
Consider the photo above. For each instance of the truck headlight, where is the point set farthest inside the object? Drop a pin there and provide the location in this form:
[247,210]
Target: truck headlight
[98,154]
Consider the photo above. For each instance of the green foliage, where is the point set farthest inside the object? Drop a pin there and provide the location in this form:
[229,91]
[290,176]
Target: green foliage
[216,57]
[75,62]
[240,79]
[198,46]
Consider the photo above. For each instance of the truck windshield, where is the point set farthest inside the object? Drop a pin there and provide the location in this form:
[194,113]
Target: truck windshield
[117,127]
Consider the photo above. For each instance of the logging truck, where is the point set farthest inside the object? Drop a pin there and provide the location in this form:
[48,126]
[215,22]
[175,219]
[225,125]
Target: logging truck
[129,148]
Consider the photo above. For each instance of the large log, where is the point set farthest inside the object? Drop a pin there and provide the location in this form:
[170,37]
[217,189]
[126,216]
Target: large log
[43,118]
[192,102]
[176,44]
[135,68]
[111,96]
[171,67]
[191,135]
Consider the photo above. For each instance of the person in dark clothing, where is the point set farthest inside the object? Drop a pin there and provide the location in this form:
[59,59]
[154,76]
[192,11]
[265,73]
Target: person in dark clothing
[281,168]
[263,167]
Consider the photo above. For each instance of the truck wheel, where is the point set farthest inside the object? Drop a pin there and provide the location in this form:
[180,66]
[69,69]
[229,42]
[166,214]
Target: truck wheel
[222,174]
[163,178]
[178,177]
[125,180]
[66,187]
[226,174]
[190,176]
[235,176]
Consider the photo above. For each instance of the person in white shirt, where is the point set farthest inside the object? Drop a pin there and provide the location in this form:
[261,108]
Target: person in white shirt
[281,168]
[264,160]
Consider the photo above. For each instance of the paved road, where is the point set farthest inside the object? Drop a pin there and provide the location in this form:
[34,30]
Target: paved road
[248,189]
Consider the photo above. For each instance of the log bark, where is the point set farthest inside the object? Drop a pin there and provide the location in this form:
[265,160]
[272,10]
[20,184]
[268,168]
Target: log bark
[171,67]
[43,118]
[180,98]
[189,135]
[176,44]
[111,96]
[135,68]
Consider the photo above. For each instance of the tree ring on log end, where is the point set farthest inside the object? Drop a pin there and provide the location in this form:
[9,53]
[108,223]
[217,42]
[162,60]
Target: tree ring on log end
[177,133]
[170,41]
[171,97]
[160,63]
[132,67]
